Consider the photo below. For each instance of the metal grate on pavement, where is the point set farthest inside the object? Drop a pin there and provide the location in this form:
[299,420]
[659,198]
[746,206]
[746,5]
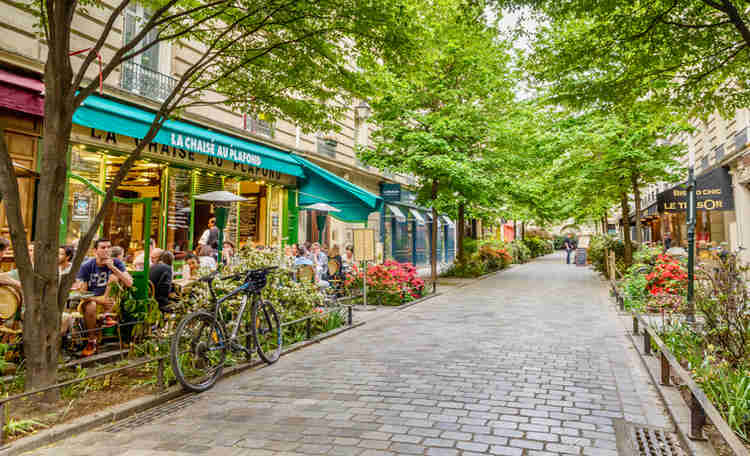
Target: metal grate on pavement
[152,414]
[638,440]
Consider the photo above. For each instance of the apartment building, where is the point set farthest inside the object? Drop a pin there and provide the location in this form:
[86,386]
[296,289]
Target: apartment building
[718,147]
[274,165]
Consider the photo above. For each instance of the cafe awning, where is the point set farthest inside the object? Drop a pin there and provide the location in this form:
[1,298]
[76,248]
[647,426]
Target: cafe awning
[21,93]
[108,115]
[322,186]
[417,215]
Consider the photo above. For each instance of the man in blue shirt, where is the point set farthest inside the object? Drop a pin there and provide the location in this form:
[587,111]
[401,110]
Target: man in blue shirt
[95,276]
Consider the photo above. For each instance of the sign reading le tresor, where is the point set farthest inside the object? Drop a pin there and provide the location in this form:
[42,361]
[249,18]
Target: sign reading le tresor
[713,193]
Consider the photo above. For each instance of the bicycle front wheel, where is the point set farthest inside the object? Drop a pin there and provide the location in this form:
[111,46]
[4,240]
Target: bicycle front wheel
[266,331]
[198,351]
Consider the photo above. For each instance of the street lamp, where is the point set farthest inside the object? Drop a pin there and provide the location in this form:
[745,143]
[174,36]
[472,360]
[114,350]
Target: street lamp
[690,311]
[363,111]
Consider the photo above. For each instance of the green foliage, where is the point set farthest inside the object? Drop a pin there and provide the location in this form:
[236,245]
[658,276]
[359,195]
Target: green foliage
[647,255]
[682,54]
[538,247]
[20,427]
[473,267]
[597,251]
[520,251]
[634,287]
[725,385]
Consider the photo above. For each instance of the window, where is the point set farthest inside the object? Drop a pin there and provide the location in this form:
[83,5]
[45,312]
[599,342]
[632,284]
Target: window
[143,73]
[327,146]
[259,124]
[719,152]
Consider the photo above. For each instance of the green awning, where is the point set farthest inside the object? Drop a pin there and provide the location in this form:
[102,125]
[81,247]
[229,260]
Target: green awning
[108,115]
[322,186]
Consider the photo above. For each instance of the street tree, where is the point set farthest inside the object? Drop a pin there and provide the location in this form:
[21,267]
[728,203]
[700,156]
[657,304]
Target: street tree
[692,54]
[286,59]
[433,113]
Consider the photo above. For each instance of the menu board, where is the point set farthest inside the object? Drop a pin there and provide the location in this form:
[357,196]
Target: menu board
[249,218]
[178,209]
[364,244]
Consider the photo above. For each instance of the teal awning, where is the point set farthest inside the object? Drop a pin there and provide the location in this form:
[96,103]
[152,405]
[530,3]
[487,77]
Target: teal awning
[322,186]
[108,115]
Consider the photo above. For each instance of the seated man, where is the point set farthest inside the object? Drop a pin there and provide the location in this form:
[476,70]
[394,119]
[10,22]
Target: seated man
[161,276]
[95,276]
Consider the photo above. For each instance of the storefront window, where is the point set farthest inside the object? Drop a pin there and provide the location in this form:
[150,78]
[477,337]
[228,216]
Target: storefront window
[83,202]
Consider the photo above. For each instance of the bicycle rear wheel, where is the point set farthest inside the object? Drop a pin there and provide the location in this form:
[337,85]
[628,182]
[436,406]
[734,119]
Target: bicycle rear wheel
[198,351]
[266,331]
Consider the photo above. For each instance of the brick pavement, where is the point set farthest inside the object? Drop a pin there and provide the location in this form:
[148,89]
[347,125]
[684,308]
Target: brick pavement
[532,361]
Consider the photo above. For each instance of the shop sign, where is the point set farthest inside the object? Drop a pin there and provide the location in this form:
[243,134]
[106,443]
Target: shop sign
[81,207]
[193,153]
[390,192]
[713,193]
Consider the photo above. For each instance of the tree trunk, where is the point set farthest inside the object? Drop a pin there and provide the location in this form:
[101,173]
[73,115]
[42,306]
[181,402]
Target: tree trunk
[433,244]
[523,231]
[515,230]
[637,197]
[626,229]
[461,232]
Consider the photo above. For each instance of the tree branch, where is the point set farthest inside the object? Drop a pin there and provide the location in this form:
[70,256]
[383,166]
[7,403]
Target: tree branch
[11,198]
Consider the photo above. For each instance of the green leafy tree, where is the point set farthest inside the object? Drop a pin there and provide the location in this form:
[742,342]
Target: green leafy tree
[434,112]
[288,59]
[693,54]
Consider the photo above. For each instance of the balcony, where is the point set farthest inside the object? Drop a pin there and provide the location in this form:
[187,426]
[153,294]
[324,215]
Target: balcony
[740,139]
[146,82]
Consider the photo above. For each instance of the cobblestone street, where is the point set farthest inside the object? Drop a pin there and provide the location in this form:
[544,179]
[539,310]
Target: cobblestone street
[531,361]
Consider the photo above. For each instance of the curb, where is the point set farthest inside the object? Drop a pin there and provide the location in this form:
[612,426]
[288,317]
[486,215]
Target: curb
[121,411]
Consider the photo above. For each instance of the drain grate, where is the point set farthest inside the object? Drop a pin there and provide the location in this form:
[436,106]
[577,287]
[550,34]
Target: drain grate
[637,440]
[152,414]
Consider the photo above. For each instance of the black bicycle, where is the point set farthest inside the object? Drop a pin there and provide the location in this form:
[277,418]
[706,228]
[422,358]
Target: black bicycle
[200,344]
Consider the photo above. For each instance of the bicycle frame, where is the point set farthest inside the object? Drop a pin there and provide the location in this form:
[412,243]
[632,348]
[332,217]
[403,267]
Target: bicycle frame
[244,288]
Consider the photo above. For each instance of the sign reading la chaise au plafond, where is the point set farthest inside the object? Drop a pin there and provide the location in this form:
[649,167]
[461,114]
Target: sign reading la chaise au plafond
[188,151]
[713,193]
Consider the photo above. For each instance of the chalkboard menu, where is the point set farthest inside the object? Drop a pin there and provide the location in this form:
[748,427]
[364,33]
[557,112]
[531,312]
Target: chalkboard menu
[580,257]
[178,209]
[249,218]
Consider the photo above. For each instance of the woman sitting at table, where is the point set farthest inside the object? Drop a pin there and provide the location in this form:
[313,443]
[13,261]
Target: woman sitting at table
[190,270]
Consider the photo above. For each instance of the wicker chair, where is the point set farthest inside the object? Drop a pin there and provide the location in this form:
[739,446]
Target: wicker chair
[11,300]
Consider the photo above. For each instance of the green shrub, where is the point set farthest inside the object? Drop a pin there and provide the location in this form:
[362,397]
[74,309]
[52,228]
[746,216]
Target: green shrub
[599,245]
[647,255]
[520,252]
[538,247]
[635,287]
[471,246]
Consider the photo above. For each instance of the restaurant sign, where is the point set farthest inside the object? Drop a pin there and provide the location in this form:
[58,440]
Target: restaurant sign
[186,151]
[713,193]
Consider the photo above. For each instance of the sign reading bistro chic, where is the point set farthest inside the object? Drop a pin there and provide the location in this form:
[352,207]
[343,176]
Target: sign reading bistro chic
[191,153]
[713,193]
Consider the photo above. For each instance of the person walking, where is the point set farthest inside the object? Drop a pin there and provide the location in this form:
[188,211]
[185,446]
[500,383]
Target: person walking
[570,245]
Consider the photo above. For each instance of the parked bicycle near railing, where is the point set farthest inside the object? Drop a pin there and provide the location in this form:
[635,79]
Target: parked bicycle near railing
[200,344]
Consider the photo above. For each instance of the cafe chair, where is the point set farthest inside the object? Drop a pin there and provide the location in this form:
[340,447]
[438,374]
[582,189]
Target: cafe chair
[306,273]
[10,312]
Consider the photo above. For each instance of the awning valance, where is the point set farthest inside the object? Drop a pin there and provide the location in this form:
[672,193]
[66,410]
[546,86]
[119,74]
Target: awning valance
[396,211]
[322,186]
[417,215]
[108,115]
[21,93]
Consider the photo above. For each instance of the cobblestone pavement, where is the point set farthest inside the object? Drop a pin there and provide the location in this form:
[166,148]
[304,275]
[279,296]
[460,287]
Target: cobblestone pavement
[532,361]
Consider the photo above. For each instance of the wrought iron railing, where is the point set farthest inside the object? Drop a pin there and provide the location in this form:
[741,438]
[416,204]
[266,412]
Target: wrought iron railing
[327,146]
[146,82]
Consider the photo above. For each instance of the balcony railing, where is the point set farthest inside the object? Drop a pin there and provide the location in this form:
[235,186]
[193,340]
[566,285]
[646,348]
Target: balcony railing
[146,82]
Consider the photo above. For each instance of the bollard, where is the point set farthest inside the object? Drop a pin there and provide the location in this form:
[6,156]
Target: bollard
[308,328]
[664,369]
[697,419]
[635,324]
[160,374]
[349,315]
[646,342]
[621,302]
